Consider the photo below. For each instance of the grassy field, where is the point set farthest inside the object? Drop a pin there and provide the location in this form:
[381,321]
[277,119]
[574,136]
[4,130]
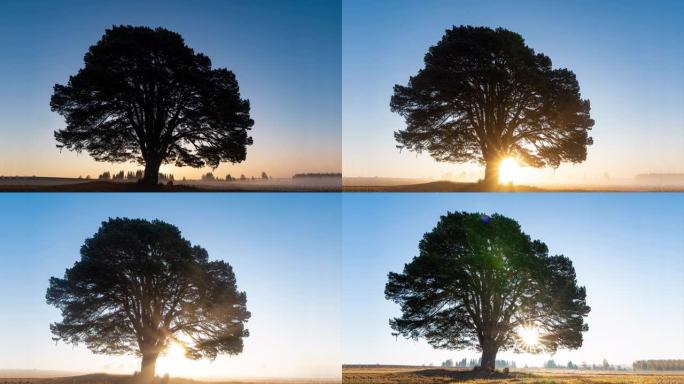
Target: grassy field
[434,375]
[126,379]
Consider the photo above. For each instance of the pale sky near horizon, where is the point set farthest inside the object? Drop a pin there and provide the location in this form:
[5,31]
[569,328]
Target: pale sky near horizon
[286,57]
[284,249]
[627,250]
[627,56]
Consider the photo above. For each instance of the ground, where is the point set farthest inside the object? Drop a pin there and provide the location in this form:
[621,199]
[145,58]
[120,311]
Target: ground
[57,184]
[125,379]
[434,375]
[441,186]
[360,184]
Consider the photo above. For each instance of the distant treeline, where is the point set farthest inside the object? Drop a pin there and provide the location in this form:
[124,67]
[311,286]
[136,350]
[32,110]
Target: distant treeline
[605,366]
[165,178]
[658,365]
[472,363]
[549,364]
[316,175]
[131,176]
[210,177]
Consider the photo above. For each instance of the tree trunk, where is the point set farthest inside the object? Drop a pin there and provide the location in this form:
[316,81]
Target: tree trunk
[489,350]
[151,176]
[492,172]
[148,367]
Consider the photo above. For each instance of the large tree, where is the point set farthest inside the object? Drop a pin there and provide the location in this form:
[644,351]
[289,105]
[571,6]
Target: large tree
[140,286]
[145,96]
[481,282]
[484,95]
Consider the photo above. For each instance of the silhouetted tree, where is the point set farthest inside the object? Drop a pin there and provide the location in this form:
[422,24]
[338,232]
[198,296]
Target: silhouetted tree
[208,177]
[484,95]
[144,95]
[138,286]
[105,176]
[477,280]
[264,176]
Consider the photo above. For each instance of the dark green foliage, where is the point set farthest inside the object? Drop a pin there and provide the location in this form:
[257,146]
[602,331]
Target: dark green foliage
[145,96]
[484,95]
[477,280]
[139,285]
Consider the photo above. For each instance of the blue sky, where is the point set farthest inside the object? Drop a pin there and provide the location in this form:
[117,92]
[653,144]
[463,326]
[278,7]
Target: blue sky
[285,250]
[627,56]
[627,249]
[286,56]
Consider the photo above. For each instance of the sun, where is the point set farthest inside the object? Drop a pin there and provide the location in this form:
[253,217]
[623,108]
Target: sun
[529,337]
[174,362]
[175,351]
[509,171]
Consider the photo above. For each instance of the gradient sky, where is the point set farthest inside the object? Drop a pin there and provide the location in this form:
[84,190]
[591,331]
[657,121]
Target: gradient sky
[285,252]
[627,249]
[627,56]
[286,56]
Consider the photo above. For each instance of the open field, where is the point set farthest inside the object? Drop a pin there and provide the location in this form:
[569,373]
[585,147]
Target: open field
[126,379]
[360,374]
[57,184]
[371,184]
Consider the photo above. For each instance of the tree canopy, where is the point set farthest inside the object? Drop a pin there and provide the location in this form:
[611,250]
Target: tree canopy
[139,286]
[484,95]
[479,282]
[145,96]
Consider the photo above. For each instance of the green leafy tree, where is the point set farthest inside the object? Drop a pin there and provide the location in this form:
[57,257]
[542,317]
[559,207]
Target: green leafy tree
[145,96]
[140,286]
[484,95]
[477,281]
